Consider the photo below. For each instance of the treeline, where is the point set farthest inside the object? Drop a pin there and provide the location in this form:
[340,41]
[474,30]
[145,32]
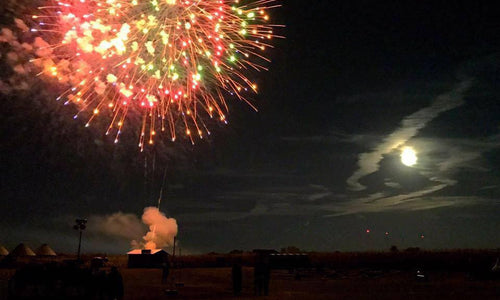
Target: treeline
[450,260]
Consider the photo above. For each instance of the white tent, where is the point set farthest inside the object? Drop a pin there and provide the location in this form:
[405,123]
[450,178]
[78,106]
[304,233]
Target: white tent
[3,251]
[496,267]
[22,250]
[45,250]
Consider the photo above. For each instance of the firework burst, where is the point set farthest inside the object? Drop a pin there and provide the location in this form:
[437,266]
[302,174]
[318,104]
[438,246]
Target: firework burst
[172,62]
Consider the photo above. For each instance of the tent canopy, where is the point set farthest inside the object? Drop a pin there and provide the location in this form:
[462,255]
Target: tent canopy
[3,251]
[45,250]
[22,250]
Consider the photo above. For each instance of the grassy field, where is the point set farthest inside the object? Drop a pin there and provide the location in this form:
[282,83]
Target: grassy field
[330,276]
[215,283]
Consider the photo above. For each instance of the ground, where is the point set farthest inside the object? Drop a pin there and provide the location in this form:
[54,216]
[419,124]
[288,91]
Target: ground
[324,281]
[215,283]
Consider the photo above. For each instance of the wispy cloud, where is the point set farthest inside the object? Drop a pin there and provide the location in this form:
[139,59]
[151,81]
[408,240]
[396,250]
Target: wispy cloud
[407,202]
[388,182]
[445,160]
[271,201]
[378,202]
[368,162]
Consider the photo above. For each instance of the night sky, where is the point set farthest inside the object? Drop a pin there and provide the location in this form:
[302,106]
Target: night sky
[352,84]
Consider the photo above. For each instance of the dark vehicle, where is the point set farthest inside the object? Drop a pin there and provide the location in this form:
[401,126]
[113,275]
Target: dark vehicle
[64,281]
[50,281]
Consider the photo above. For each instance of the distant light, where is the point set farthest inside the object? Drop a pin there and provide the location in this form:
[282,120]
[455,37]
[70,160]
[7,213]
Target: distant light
[368,231]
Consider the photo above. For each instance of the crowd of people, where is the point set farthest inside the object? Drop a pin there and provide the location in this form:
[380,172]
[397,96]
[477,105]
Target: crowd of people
[74,281]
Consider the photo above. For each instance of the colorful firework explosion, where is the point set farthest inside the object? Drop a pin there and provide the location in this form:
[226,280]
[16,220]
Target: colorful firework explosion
[170,61]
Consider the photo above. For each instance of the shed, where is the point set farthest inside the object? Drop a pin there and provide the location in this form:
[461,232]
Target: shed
[289,260]
[147,258]
[264,251]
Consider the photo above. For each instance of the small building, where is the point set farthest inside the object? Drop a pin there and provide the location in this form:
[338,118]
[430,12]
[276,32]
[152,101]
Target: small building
[262,257]
[264,252]
[289,261]
[147,258]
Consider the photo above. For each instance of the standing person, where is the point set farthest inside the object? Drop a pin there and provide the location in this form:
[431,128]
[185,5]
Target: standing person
[257,277]
[262,274]
[100,285]
[266,275]
[165,267]
[237,278]
[115,282]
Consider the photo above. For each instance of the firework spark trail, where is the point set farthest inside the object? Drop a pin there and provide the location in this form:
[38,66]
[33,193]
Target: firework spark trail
[170,61]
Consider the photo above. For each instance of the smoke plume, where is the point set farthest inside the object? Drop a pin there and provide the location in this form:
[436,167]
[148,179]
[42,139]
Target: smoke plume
[122,225]
[162,230]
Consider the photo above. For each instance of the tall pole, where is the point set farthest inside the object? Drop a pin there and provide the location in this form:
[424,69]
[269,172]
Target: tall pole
[173,251]
[79,244]
[80,226]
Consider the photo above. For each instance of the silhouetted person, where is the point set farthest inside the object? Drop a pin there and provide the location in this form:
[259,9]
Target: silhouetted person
[261,276]
[257,281]
[115,284]
[165,271]
[237,278]
[100,285]
[266,276]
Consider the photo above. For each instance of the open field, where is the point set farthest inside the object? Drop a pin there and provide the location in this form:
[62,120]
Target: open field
[450,275]
[215,283]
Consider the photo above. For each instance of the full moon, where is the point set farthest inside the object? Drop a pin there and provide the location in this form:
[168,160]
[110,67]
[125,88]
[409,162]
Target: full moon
[408,156]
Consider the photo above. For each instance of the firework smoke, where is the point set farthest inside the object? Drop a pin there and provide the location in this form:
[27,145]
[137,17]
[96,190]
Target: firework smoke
[162,230]
[119,224]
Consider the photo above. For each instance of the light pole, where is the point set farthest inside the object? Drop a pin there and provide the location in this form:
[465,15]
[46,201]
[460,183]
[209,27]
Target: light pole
[80,226]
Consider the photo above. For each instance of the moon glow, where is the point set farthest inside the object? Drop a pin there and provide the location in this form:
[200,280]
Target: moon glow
[408,156]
